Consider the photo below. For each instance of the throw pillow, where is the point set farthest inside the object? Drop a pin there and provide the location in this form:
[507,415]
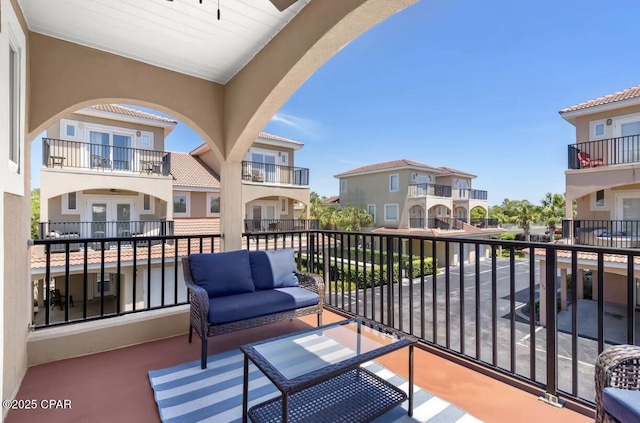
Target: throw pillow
[273,269]
[223,274]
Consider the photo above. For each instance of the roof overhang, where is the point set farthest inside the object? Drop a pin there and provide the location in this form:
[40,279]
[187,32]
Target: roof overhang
[279,143]
[571,116]
[168,127]
[390,169]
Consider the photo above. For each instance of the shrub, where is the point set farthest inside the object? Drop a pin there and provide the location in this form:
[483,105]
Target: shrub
[507,236]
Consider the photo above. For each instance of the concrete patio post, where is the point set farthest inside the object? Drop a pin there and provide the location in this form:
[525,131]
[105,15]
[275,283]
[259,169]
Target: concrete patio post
[231,213]
[563,289]
[594,285]
[578,283]
[543,293]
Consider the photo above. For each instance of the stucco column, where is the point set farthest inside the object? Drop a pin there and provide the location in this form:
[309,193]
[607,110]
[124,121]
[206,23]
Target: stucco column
[543,292]
[563,289]
[594,285]
[578,283]
[126,289]
[40,292]
[231,213]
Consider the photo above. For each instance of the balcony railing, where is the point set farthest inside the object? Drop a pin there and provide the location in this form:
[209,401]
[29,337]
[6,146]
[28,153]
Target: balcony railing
[445,223]
[416,222]
[420,190]
[274,174]
[482,307]
[469,194]
[485,223]
[261,225]
[604,233]
[477,194]
[84,155]
[113,229]
[612,151]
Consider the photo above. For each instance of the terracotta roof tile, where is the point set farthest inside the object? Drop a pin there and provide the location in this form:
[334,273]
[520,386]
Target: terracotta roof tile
[452,170]
[584,255]
[278,138]
[377,167]
[209,225]
[123,110]
[333,200]
[191,171]
[628,94]
[467,231]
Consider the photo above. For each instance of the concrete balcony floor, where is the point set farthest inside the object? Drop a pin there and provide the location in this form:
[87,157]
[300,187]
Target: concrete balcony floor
[114,385]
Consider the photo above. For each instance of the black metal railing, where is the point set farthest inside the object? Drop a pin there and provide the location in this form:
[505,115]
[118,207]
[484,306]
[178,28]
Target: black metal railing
[113,229]
[485,223]
[73,154]
[261,225]
[419,190]
[469,194]
[445,223]
[604,233]
[416,222]
[611,151]
[274,174]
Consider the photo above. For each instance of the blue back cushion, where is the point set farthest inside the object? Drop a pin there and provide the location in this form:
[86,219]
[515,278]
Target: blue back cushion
[273,269]
[223,274]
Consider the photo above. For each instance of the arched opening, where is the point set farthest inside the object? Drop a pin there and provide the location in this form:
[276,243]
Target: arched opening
[439,217]
[461,214]
[416,217]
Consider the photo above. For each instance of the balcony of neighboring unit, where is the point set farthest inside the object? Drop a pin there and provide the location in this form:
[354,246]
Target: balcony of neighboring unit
[273,174]
[431,190]
[279,225]
[607,152]
[485,223]
[104,158]
[469,194]
[604,233]
[441,223]
[124,231]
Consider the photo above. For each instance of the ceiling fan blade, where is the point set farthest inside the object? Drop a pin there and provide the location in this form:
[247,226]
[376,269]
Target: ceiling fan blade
[282,4]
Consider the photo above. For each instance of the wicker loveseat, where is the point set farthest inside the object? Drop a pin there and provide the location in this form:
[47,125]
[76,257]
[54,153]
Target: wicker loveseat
[617,377]
[242,289]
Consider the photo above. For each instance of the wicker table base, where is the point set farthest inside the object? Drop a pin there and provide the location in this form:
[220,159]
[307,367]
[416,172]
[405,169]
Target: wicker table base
[355,396]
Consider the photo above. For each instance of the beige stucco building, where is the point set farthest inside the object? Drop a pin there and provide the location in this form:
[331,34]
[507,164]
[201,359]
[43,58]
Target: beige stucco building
[411,198]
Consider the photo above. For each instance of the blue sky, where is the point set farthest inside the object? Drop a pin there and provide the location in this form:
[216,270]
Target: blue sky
[471,85]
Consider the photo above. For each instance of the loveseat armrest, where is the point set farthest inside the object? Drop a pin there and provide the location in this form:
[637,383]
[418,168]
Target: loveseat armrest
[313,282]
[198,300]
[616,367]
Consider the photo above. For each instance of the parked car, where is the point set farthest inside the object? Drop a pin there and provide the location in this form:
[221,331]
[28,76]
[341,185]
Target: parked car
[557,231]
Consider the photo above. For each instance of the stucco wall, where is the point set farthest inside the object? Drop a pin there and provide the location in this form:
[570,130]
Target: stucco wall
[582,123]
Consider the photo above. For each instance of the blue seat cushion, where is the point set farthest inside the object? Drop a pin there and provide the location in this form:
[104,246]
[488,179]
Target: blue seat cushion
[259,303]
[623,404]
[222,274]
[273,269]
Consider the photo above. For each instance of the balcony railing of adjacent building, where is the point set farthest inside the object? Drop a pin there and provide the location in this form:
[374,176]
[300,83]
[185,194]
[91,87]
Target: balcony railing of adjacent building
[113,229]
[445,223]
[485,223]
[473,311]
[416,222]
[84,155]
[607,152]
[274,174]
[604,233]
[469,194]
[420,190]
[261,225]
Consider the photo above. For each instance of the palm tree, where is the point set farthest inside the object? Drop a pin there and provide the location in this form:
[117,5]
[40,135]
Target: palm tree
[553,210]
[525,213]
[353,218]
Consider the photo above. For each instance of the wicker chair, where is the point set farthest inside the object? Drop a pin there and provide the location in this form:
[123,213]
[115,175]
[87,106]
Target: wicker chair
[199,301]
[616,367]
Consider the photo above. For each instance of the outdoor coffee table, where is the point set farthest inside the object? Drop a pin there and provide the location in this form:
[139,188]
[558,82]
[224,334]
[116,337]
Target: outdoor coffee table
[319,375]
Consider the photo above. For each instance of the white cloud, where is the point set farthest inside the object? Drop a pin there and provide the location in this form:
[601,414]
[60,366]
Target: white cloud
[306,126]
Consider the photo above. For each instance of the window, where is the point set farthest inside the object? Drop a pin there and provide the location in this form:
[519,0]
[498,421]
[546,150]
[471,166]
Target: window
[393,183]
[283,205]
[146,140]
[14,109]
[72,200]
[600,198]
[371,209]
[598,130]
[343,186]
[180,204]
[390,212]
[214,204]
[70,130]
[146,202]
[99,285]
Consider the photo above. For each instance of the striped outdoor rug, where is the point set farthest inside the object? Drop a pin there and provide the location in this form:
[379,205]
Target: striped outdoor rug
[186,393]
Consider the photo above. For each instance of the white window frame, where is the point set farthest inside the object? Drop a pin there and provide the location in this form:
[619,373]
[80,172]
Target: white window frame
[343,186]
[397,176]
[592,129]
[211,195]
[620,203]
[374,212]
[72,127]
[285,203]
[152,202]
[65,203]
[141,144]
[604,200]
[386,217]
[109,284]
[187,196]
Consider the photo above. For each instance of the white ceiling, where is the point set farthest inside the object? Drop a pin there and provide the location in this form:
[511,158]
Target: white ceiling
[182,35]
